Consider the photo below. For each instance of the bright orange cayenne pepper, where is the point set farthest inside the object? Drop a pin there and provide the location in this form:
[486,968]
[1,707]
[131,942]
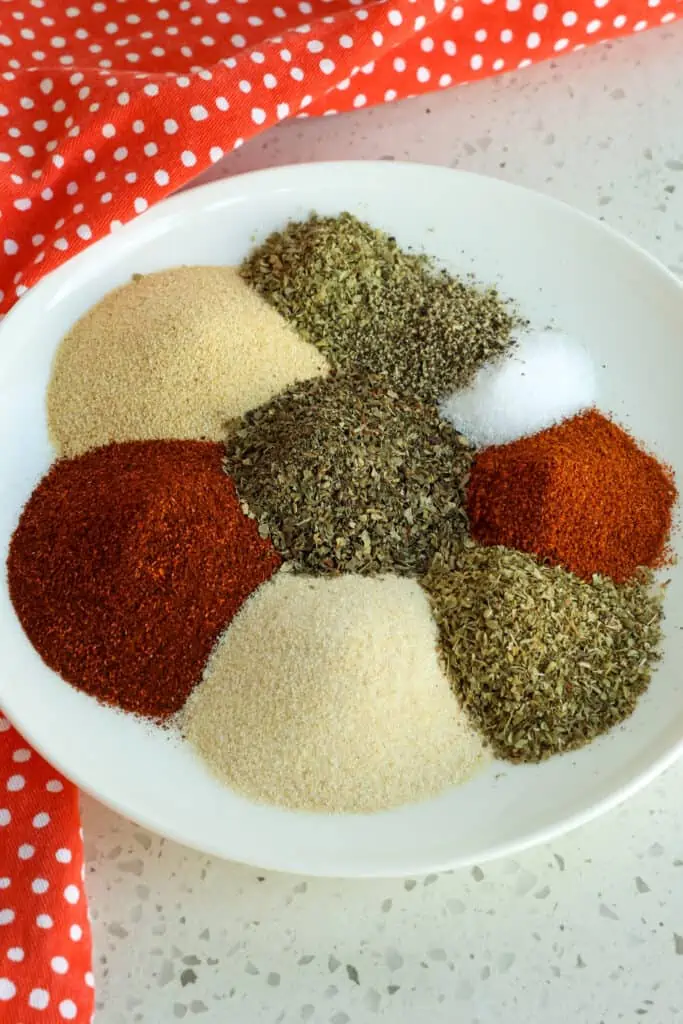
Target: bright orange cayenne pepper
[582,494]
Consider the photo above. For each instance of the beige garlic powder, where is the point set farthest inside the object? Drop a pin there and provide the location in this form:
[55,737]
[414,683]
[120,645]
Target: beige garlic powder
[173,354]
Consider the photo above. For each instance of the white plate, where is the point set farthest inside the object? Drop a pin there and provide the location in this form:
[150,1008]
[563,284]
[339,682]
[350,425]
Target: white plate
[561,267]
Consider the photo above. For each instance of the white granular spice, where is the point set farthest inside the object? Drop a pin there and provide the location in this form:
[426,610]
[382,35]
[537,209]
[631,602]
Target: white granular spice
[174,354]
[327,694]
[544,379]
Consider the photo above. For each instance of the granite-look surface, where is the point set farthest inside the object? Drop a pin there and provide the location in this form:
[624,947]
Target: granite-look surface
[588,930]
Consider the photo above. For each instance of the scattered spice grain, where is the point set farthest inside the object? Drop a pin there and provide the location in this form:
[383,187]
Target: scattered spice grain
[542,661]
[171,354]
[128,562]
[345,474]
[582,494]
[326,694]
[368,305]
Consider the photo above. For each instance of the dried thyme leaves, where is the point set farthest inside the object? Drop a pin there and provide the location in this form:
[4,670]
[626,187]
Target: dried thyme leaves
[367,305]
[542,661]
[346,475]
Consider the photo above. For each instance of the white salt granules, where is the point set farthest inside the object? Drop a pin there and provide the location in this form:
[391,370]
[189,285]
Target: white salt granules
[326,694]
[174,354]
[544,379]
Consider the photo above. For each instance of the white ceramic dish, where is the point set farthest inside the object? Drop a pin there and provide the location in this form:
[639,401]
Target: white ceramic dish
[560,266]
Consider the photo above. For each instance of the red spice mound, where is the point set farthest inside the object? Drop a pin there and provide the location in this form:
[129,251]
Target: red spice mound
[582,494]
[126,565]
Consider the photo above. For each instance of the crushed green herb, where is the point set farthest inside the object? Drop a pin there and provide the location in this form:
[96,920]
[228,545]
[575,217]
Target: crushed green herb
[346,475]
[355,294]
[542,661]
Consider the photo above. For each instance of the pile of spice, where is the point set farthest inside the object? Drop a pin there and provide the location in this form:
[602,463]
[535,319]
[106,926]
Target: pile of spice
[389,650]
[345,474]
[171,355]
[543,379]
[542,661]
[327,694]
[583,495]
[369,306]
[126,565]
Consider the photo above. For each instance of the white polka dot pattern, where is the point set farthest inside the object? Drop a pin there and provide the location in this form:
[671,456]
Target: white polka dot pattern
[45,952]
[120,105]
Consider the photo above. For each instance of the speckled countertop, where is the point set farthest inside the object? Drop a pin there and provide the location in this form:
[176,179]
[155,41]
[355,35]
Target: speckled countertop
[588,930]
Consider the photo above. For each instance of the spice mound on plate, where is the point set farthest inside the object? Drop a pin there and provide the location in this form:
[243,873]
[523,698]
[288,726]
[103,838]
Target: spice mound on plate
[128,562]
[541,661]
[583,495]
[541,380]
[326,694]
[346,475]
[368,305]
[171,354]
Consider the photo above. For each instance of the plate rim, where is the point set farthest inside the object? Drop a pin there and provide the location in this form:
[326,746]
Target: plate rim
[234,187]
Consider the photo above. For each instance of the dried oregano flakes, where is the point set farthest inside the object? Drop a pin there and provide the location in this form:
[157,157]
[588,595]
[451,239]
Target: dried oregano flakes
[542,661]
[367,305]
[346,475]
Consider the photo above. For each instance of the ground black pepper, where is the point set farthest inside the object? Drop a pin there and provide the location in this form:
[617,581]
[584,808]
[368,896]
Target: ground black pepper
[368,305]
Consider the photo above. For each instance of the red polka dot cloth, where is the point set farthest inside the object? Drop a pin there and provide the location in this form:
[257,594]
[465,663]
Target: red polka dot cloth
[107,106]
[45,950]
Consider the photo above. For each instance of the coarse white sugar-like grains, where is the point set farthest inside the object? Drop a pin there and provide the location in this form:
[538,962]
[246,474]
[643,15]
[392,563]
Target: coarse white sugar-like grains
[327,694]
[173,354]
[544,379]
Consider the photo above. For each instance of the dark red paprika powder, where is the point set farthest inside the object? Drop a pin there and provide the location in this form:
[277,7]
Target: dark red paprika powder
[127,564]
[583,495]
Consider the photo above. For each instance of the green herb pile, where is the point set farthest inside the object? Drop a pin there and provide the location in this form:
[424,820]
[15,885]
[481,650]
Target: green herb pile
[357,473]
[368,305]
[542,661]
[346,475]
